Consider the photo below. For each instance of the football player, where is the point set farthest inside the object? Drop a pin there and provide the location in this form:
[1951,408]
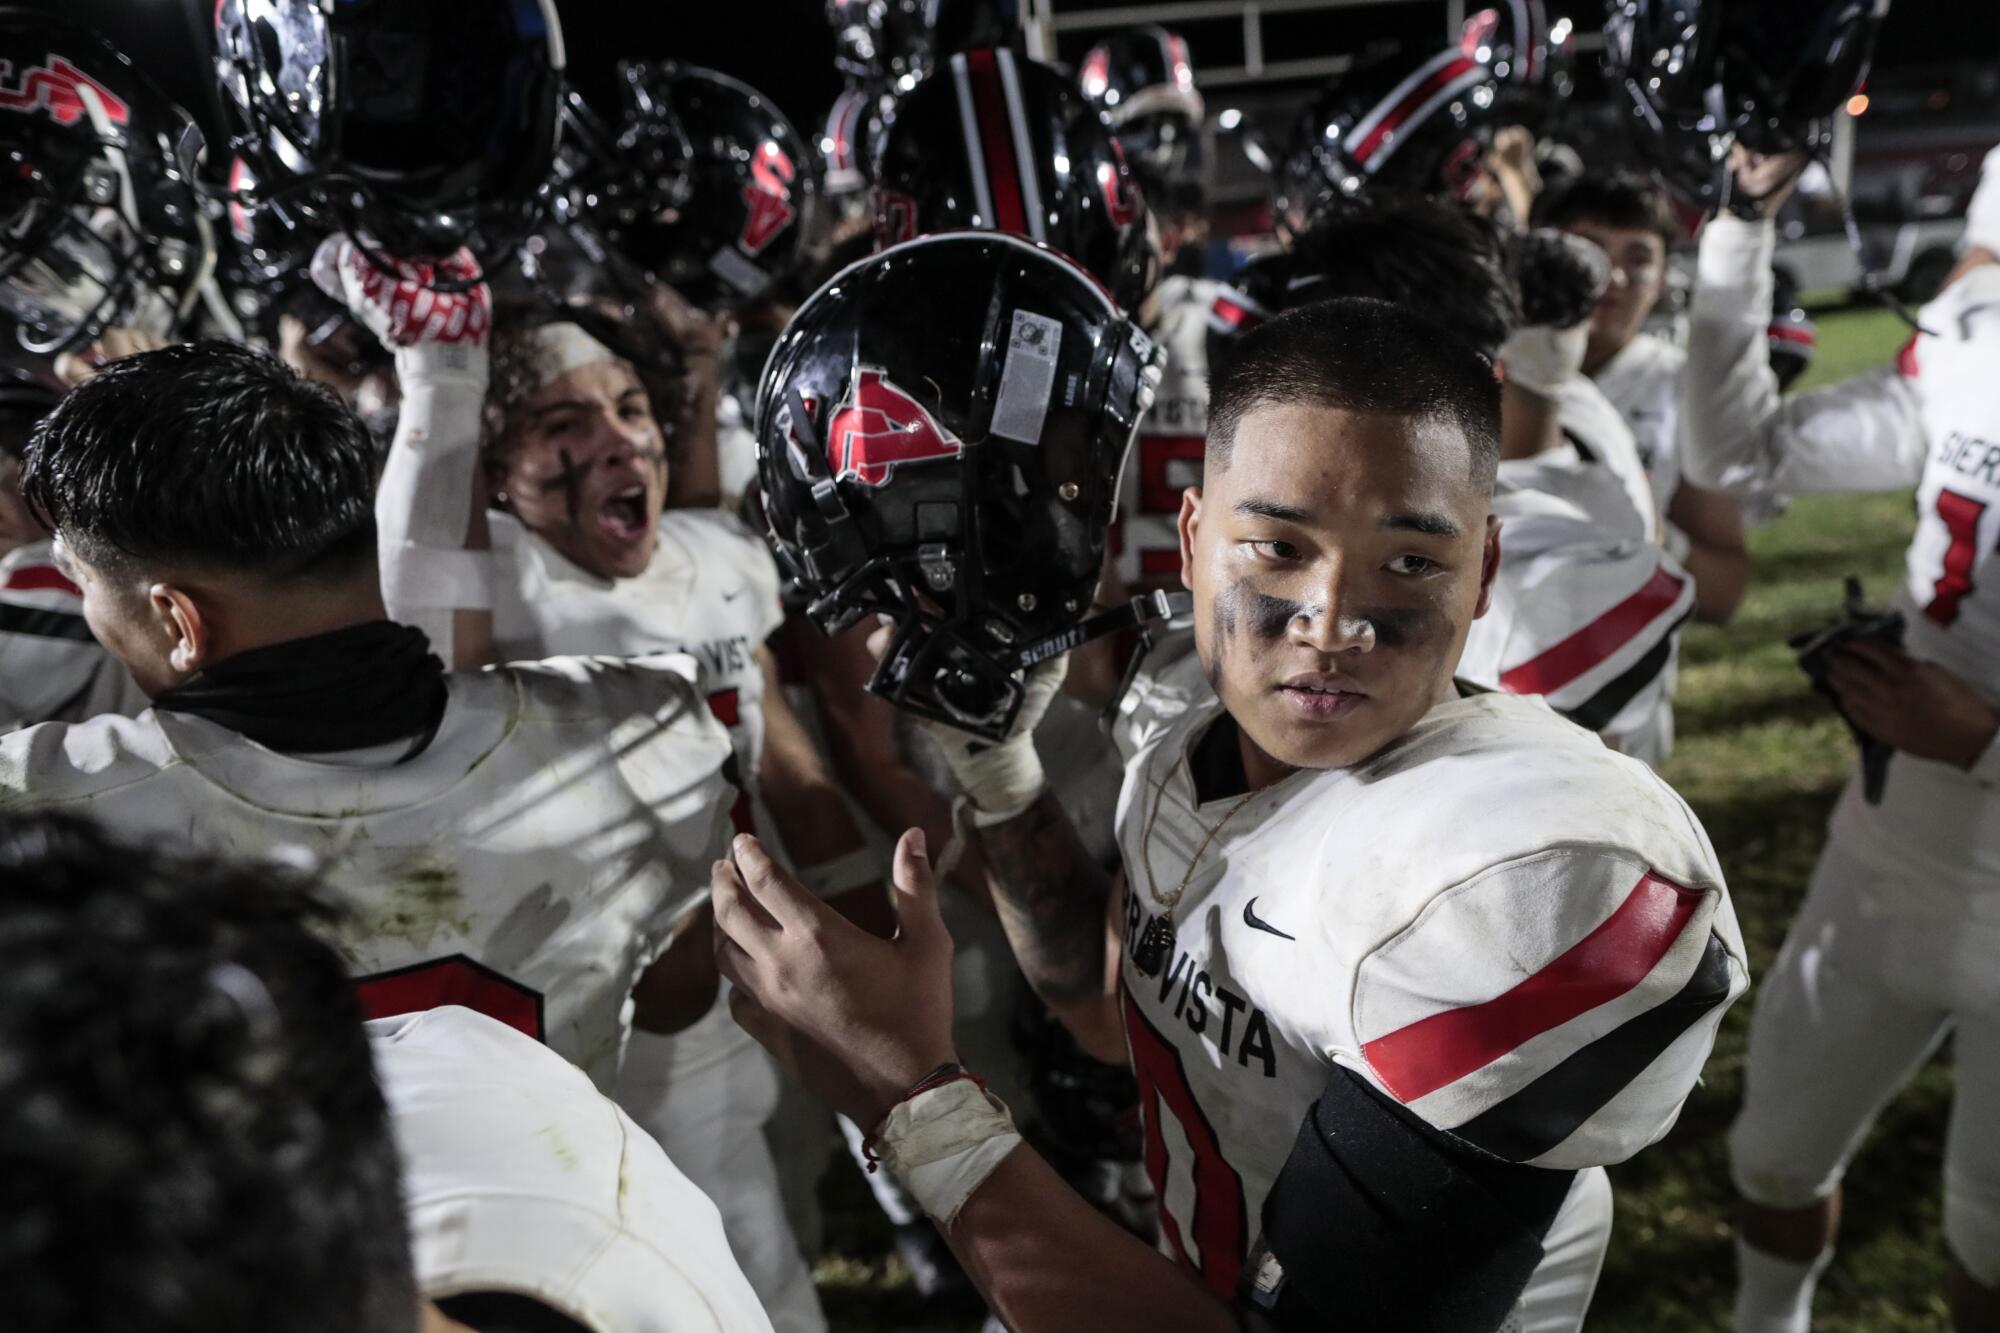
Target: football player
[584,558]
[1631,221]
[1400,967]
[1894,945]
[1585,611]
[196,1139]
[522,841]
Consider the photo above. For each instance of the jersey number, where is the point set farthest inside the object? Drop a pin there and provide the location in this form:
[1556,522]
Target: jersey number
[1185,1163]
[455,980]
[1960,515]
[728,709]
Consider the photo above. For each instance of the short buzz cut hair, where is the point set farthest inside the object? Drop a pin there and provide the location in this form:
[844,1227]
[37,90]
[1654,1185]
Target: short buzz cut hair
[1359,354]
[191,1133]
[1620,199]
[209,454]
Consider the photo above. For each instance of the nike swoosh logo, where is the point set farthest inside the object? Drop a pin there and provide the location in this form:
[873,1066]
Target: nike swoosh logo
[1255,922]
[732,596]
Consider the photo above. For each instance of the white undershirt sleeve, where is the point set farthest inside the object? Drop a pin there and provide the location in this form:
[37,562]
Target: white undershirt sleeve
[424,500]
[1736,434]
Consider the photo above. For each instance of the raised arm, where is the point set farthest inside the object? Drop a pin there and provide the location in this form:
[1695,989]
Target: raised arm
[1736,434]
[430,515]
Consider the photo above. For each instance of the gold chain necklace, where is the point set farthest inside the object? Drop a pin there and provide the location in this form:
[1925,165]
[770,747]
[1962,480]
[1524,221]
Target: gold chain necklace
[1156,942]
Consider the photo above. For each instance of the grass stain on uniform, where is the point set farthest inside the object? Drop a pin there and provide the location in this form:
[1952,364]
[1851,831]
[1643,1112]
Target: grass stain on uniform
[424,900]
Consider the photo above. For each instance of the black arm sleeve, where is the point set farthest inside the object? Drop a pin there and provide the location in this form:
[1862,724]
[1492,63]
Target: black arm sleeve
[1381,1222]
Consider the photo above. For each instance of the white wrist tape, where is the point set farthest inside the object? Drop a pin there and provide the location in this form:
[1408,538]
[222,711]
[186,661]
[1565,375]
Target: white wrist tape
[851,870]
[942,1144]
[426,576]
[456,364]
[1001,781]
[1541,358]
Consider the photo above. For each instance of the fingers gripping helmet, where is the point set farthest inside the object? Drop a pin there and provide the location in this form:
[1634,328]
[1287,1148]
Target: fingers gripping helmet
[997,142]
[1423,130]
[940,432]
[99,224]
[420,125]
[1143,82]
[701,182]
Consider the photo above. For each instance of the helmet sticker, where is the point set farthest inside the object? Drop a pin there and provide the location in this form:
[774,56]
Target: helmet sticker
[1027,378]
[768,197]
[52,88]
[879,427]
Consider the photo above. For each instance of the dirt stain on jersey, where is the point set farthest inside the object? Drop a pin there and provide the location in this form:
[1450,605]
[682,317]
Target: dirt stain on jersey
[425,900]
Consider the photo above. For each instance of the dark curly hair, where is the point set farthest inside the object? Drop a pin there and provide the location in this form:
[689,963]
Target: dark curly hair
[191,1136]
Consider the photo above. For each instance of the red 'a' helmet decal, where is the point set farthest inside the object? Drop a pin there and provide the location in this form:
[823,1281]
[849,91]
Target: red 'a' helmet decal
[1095,76]
[52,88]
[768,197]
[1116,187]
[880,426]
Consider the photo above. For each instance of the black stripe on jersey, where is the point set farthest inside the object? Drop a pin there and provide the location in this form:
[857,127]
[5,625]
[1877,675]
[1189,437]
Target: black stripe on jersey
[1596,712]
[1550,1109]
[43,623]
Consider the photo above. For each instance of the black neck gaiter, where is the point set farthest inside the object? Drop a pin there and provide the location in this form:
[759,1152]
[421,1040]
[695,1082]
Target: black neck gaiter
[365,685]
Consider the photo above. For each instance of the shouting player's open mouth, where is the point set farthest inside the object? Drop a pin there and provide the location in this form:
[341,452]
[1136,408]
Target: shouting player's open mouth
[623,516]
[1320,696]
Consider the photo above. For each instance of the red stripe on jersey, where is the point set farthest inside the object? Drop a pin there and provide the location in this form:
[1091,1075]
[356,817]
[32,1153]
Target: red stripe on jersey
[1790,333]
[41,578]
[1906,359]
[724,704]
[455,980]
[996,140]
[1596,641]
[1406,108]
[1434,1052]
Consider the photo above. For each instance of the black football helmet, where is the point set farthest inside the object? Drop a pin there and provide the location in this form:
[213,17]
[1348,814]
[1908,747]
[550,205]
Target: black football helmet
[1788,65]
[1530,56]
[894,44]
[99,224]
[419,126]
[700,182]
[1423,130]
[940,432]
[1143,82]
[997,142]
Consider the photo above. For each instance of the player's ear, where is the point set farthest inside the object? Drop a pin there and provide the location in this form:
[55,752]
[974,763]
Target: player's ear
[188,634]
[1189,520]
[1489,565]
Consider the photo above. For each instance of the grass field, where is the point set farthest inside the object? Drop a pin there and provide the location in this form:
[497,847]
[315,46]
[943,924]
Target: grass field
[1761,761]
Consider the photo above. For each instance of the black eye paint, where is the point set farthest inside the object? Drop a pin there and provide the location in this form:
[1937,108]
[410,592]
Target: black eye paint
[1223,621]
[1397,627]
[1271,616]
[571,480]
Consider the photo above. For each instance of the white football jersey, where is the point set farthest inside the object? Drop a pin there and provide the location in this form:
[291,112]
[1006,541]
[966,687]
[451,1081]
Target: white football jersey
[1585,617]
[711,591]
[735,446]
[1596,436]
[1643,381]
[520,1176]
[1932,422]
[51,667]
[1166,456]
[1518,934]
[529,862]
